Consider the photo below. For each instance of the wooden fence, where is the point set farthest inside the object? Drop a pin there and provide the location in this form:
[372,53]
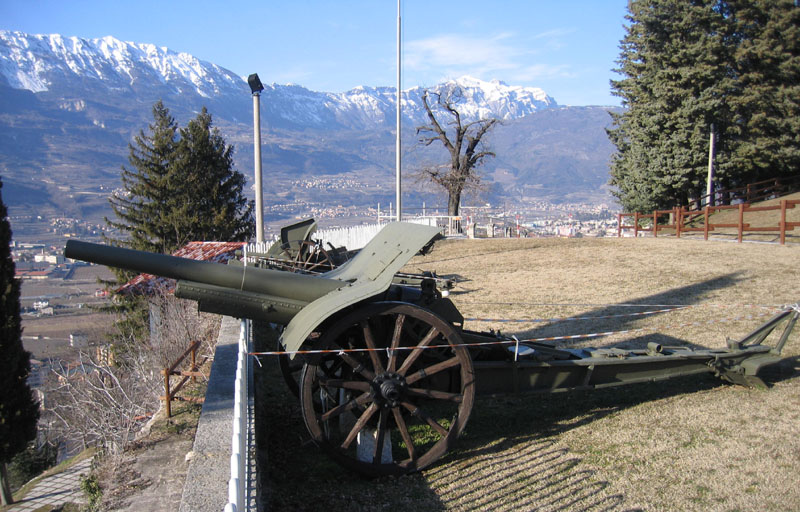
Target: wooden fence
[752,193]
[683,220]
[191,373]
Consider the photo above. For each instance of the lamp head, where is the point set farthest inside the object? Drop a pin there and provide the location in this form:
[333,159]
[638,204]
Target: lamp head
[255,84]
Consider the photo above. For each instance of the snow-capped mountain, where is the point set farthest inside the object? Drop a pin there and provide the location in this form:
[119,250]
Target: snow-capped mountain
[375,106]
[45,63]
[40,63]
[70,107]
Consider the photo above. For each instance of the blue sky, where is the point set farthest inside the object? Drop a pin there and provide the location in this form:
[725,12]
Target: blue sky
[567,48]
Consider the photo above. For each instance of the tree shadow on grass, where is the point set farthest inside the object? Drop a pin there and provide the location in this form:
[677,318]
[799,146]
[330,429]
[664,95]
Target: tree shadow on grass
[621,317]
[508,457]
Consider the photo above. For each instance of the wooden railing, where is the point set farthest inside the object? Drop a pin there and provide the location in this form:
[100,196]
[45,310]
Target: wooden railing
[683,220]
[752,193]
[191,373]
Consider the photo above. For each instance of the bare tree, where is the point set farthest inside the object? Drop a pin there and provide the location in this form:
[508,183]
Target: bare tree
[95,404]
[104,400]
[175,323]
[461,138]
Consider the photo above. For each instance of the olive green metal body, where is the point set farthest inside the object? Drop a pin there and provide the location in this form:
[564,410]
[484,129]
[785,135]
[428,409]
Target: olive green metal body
[299,301]
[397,356]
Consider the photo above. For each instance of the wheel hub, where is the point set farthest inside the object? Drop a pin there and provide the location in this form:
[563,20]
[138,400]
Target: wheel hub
[388,389]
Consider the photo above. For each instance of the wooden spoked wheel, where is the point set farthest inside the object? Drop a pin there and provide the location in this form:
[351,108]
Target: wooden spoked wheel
[394,395]
[291,371]
[306,256]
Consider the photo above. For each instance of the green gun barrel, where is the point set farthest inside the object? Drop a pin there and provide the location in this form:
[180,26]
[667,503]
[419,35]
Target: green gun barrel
[299,288]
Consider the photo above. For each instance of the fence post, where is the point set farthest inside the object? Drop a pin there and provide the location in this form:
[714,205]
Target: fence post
[194,363]
[678,221]
[619,225]
[636,225]
[655,224]
[783,221]
[705,224]
[167,397]
[741,221]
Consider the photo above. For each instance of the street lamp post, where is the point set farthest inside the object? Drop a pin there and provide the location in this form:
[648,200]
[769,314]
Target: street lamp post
[256,87]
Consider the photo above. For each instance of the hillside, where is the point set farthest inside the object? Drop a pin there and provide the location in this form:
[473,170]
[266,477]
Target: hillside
[71,106]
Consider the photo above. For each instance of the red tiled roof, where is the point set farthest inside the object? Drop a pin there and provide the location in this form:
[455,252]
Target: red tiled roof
[217,252]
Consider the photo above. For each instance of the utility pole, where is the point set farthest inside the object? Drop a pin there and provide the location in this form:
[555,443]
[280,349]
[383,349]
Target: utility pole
[710,180]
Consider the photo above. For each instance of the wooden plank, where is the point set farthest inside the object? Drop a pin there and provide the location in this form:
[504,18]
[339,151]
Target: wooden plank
[762,208]
[775,229]
[744,226]
[193,346]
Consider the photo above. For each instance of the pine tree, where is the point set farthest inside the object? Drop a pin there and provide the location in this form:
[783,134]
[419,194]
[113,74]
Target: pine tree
[180,187]
[688,65]
[673,58]
[767,104]
[146,210]
[19,412]
[218,209]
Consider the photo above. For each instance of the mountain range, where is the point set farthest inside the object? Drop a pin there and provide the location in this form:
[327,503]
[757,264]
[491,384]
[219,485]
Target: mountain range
[69,107]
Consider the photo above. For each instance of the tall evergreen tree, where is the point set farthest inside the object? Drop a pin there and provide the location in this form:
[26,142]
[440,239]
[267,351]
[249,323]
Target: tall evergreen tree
[688,65]
[181,186]
[146,209]
[19,412]
[766,108]
[218,209]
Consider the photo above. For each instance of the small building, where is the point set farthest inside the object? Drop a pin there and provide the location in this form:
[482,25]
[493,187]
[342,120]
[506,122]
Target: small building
[78,340]
[53,259]
[104,355]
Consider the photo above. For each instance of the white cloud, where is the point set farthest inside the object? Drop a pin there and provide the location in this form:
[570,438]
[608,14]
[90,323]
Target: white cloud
[501,55]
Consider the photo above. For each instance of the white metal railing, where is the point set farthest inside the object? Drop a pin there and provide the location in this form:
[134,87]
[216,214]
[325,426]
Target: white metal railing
[237,485]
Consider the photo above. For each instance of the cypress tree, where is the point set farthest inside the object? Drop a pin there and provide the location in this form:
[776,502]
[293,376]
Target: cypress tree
[19,412]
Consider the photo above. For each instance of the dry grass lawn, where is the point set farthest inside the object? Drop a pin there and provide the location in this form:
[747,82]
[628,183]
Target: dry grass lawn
[687,444]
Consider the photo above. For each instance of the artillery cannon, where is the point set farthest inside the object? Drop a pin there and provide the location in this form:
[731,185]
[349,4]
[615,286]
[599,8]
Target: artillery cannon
[389,374]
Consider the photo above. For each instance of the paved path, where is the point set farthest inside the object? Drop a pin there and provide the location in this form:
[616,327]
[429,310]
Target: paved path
[56,490]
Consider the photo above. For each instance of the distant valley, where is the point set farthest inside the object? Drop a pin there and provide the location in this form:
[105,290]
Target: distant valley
[69,107]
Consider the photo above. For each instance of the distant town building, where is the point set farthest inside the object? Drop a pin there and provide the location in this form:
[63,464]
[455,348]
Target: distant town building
[53,259]
[78,340]
[104,355]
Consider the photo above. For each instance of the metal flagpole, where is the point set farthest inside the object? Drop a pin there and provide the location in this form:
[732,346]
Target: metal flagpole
[398,147]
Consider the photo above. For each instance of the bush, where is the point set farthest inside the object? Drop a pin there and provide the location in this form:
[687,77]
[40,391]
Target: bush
[29,463]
